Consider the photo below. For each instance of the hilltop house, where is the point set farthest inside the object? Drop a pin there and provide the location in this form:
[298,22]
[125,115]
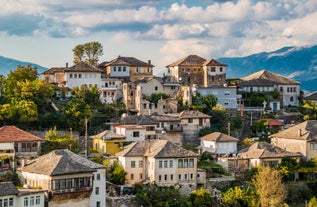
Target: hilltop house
[218,144]
[160,162]
[70,179]
[301,138]
[196,70]
[17,147]
[10,196]
[127,68]
[265,81]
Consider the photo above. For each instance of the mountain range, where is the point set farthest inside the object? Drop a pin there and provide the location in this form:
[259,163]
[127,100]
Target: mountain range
[297,63]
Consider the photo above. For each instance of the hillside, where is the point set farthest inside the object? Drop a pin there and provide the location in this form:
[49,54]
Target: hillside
[298,63]
[8,64]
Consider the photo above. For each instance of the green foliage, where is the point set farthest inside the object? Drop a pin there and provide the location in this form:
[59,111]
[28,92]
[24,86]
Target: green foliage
[247,142]
[309,109]
[98,159]
[288,168]
[201,197]
[257,98]
[204,131]
[210,101]
[155,97]
[206,156]
[312,202]
[117,174]
[236,197]
[88,52]
[89,95]
[10,176]
[54,141]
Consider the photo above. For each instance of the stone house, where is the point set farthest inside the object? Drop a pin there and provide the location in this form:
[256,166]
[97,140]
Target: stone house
[300,138]
[107,142]
[193,69]
[69,179]
[265,81]
[11,196]
[219,144]
[160,162]
[17,147]
[111,90]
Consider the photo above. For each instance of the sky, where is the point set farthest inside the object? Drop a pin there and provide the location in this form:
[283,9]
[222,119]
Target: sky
[45,31]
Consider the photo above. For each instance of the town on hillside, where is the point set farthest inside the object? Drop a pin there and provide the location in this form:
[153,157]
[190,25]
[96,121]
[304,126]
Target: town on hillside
[113,134]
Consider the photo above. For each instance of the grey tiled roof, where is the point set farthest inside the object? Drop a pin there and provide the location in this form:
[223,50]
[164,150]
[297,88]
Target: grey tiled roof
[135,120]
[190,60]
[219,137]
[257,83]
[265,150]
[264,75]
[213,62]
[54,70]
[311,96]
[83,67]
[108,135]
[166,118]
[306,130]
[60,162]
[192,114]
[157,149]
[128,61]
[7,188]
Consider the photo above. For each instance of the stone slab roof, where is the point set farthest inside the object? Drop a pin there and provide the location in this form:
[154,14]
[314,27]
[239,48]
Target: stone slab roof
[260,150]
[157,149]
[311,96]
[14,134]
[54,70]
[218,137]
[213,62]
[190,60]
[306,130]
[192,114]
[265,75]
[128,61]
[83,67]
[7,189]
[134,120]
[166,118]
[60,162]
[108,135]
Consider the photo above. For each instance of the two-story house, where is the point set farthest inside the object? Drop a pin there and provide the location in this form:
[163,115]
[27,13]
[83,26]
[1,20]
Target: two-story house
[70,179]
[107,142]
[160,162]
[196,70]
[11,196]
[17,147]
[128,68]
[111,90]
[265,81]
[300,138]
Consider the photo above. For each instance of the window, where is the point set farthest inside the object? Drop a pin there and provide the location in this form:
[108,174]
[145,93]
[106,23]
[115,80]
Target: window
[191,176]
[291,98]
[165,164]
[191,163]
[179,176]
[132,164]
[132,176]
[98,176]
[26,202]
[212,69]
[185,163]
[140,163]
[10,202]
[171,163]
[160,177]
[98,204]
[97,190]
[172,177]
[180,163]
[144,105]
[119,69]
[79,75]
[156,88]
[37,200]
[160,164]
[124,69]
[70,75]
[185,176]
[69,183]
[75,75]
[5,202]
[141,176]
[114,68]
[165,177]
[63,183]
[136,134]
[137,70]
[32,201]
[190,120]
[220,69]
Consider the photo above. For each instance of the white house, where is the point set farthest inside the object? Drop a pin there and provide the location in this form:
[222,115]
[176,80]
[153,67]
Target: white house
[111,90]
[218,143]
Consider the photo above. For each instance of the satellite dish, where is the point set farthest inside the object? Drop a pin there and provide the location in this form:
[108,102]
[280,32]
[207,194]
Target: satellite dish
[225,85]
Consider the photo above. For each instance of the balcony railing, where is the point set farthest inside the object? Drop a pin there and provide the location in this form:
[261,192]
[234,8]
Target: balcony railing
[72,190]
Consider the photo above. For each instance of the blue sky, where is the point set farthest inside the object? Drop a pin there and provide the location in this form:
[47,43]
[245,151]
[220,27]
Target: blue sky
[163,31]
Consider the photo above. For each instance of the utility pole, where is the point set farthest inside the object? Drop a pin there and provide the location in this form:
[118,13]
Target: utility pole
[86,136]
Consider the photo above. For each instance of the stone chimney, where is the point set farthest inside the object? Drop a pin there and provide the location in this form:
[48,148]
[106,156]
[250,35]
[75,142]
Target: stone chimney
[299,132]
[66,65]
[149,61]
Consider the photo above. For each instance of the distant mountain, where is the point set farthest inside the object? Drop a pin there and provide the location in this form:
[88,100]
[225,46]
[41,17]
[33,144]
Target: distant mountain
[297,63]
[8,64]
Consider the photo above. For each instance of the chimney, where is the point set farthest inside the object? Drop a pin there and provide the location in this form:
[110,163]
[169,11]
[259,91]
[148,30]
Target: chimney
[66,65]
[149,61]
[299,132]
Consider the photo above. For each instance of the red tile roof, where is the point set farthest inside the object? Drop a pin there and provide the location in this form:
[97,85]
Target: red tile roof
[271,122]
[14,134]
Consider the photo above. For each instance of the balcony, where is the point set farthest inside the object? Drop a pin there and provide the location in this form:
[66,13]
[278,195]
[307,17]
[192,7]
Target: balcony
[72,190]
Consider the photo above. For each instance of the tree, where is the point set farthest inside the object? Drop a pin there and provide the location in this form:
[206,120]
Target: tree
[210,101]
[89,95]
[201,197]
[117,174]
[204,131]
[288,167]
[269,187]
[312,202]
[88,52]
[236,197]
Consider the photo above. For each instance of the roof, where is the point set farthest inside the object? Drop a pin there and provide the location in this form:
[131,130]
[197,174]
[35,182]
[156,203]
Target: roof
[128,61]
[306,130]
[134,120]
[311,96]
[213,62]
[190,60]
[7,188]
[108,135]
[270,122]
[14,134]
[83,67]
[265,76]
[53,70]
[157,149]
[219,137]
[60,162]
[187,114]
[265,150]
[166,118]
[258,83]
